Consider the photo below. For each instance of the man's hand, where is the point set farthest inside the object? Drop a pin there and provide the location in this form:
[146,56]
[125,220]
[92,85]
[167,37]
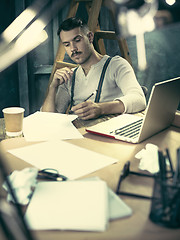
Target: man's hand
[62,75]
[87,110]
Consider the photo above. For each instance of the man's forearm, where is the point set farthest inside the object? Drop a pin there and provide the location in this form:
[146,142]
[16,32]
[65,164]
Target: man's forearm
[49,103]
[89,110]
[112,107]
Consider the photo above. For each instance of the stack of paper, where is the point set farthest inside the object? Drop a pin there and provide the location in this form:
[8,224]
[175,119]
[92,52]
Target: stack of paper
[44,126]
[74,205]
[71,205]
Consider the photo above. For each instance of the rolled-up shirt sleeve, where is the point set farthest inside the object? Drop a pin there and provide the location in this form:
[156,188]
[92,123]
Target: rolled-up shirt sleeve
[132,94]
[62,99]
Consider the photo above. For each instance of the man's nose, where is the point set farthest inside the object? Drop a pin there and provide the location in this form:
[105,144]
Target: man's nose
[73,47]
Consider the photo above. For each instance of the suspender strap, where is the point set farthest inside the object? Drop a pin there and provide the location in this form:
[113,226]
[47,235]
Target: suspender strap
[72,88]
[98,94]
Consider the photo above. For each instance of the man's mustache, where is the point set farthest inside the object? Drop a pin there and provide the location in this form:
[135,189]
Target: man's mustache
[75,53]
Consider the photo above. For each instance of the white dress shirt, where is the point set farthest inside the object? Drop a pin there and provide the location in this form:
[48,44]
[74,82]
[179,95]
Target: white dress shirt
[119,83]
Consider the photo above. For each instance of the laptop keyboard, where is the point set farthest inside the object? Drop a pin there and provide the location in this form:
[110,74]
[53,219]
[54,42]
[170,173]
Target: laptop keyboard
[131,130]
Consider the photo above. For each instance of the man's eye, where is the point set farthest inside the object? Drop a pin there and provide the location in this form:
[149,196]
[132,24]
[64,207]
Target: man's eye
[77,40]
[66,44]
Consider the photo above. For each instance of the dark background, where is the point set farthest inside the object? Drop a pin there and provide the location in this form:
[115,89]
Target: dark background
[24,83]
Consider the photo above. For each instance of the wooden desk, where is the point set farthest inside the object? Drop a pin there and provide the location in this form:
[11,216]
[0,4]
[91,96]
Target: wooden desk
[136,227]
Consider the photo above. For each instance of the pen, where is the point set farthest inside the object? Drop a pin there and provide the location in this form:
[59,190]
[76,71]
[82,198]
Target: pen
[90,96]
[170,162]
[162,173]
[71,112]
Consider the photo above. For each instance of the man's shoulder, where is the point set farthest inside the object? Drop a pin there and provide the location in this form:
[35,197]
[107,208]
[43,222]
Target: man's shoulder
[114,59]
[118,58]
[118,61]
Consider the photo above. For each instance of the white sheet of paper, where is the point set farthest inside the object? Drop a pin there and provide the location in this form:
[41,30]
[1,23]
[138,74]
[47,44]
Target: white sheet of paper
[117,207]
[71,205]
[70,160]
[44,126]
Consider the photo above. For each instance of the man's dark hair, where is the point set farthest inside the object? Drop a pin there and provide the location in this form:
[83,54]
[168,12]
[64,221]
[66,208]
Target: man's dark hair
[72,23]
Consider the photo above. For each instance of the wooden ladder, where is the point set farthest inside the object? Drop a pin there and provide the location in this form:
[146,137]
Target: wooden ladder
[93,8]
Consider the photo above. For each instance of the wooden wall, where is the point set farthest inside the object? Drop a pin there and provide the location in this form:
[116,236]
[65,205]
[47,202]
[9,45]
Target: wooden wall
[25,82]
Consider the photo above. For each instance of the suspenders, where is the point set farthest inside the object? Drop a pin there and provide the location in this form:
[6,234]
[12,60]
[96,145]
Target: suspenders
[72,88]
[98,94]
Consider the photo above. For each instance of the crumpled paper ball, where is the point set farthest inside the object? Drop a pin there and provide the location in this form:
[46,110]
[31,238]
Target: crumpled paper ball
[149,158]
[22,183]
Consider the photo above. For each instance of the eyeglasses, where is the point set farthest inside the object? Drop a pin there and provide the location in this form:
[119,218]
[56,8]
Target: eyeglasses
[126,172]
[51,174]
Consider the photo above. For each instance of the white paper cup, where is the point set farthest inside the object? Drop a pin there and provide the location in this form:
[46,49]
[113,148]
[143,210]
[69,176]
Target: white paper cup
[13,117]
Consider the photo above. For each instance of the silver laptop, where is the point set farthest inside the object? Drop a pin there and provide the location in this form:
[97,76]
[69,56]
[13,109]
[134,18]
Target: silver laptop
[159,114]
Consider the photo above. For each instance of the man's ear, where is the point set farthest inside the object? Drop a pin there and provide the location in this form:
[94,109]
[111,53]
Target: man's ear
[90,36]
